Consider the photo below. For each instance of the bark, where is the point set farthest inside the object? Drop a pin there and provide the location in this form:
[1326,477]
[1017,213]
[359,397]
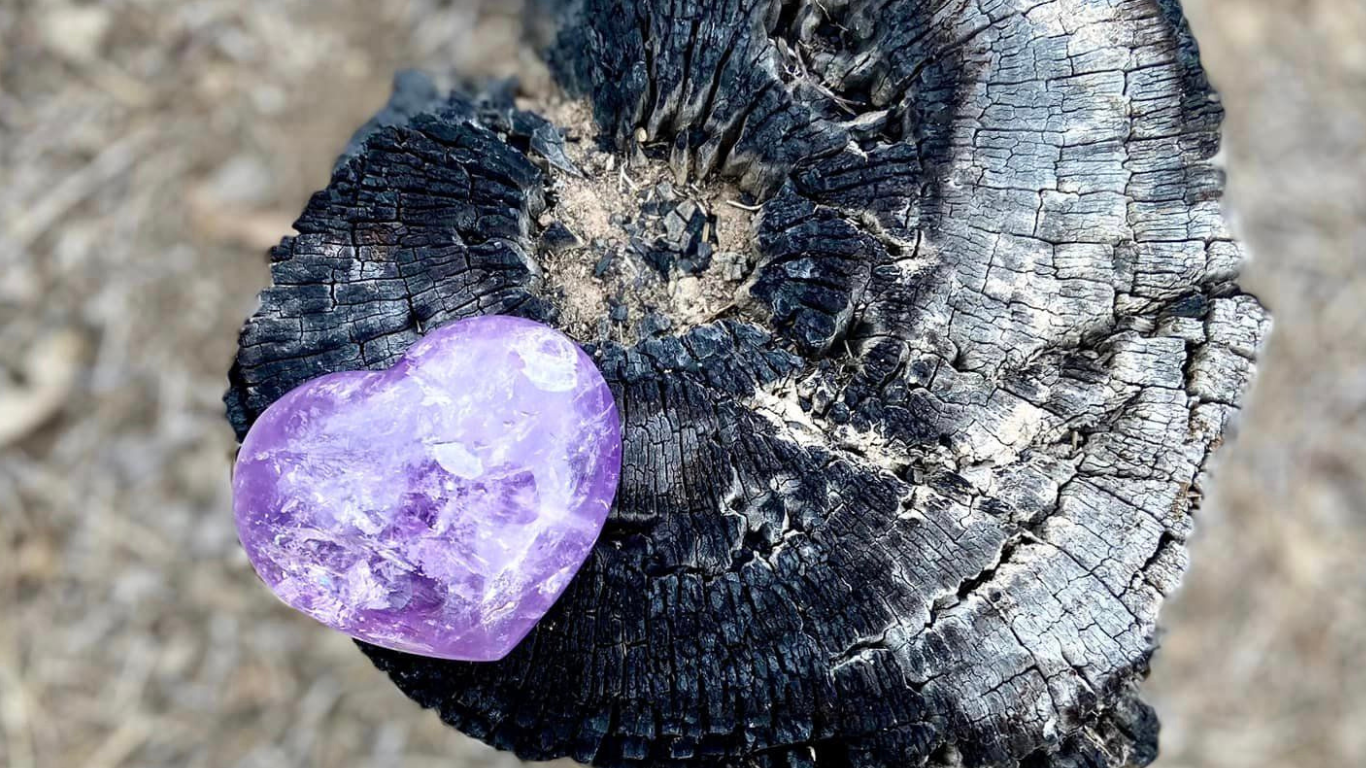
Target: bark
[918,502]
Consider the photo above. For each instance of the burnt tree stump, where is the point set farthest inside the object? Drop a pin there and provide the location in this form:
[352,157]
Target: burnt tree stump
[922,320]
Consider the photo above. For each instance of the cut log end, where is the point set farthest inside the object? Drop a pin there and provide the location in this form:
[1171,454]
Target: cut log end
[922,323]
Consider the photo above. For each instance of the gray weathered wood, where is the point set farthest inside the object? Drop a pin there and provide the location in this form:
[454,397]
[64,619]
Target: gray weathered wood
[921,502]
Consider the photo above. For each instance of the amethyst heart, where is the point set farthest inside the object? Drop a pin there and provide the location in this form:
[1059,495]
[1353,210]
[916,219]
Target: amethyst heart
[439,507]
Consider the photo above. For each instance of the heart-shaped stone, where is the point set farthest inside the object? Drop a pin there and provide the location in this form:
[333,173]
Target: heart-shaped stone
[439,507]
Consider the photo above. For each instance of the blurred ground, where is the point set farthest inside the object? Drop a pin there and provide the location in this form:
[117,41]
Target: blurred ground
[1264,663]
[150,150]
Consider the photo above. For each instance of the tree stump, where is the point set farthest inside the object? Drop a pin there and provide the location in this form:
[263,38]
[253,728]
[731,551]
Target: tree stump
[921,318]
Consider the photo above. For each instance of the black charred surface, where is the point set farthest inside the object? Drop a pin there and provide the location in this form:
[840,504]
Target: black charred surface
[922,508]
[428,223]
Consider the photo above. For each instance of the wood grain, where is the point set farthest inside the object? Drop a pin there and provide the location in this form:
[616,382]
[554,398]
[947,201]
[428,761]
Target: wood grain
[921,501]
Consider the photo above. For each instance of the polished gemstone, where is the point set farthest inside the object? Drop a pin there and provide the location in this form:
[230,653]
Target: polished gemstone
[439,507]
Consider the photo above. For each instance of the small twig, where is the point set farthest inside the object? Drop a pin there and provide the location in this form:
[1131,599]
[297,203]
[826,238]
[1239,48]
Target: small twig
[76,188]
[122,743]
[742,206]
[719,312]
[16,748]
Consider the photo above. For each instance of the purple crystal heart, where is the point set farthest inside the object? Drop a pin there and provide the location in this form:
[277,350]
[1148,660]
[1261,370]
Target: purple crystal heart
[439,507]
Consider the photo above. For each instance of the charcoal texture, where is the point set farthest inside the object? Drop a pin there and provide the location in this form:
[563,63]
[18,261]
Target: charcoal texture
[922,506]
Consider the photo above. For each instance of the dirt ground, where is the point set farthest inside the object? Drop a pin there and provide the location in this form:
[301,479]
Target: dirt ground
[150,150]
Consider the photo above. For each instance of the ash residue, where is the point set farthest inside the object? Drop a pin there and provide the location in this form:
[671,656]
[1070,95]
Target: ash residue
[625,250]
